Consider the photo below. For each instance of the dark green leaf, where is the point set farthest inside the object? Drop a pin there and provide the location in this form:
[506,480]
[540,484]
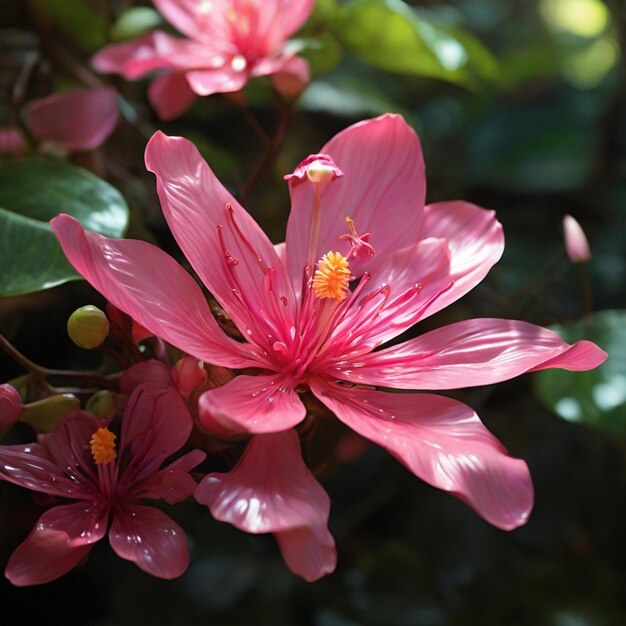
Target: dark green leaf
[597,397]
[31,193]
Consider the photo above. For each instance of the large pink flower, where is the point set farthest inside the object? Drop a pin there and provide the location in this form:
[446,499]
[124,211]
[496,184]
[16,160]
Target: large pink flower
[229,41]
[80,461]
[364,260]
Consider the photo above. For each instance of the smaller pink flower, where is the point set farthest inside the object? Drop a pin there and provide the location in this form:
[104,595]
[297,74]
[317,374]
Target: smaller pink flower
[81,461]
[74,121]
[576,244]
[228,42]
[11,406]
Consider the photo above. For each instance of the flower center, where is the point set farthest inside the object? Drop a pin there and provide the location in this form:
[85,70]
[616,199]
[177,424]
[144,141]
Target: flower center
[103,446]
[331,277]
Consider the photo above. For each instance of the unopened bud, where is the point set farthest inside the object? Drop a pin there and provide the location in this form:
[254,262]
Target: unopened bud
[103,404]
[44,415]
[576,244]
[11,406]
[88,327]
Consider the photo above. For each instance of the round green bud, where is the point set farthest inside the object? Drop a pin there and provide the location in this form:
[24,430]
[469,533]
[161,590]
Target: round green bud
[88,327]
[103,403]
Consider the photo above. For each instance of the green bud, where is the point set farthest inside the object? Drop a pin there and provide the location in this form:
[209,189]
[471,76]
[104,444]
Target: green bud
[44,415]
[103,404]
[88,327]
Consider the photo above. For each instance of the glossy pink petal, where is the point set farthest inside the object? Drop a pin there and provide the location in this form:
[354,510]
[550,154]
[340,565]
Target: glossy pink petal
[74,120]
[383,191]
[470,353]
[231,254]
[272,491]
[171,95]
[11,406]
[150,539]
[394,298]
[152,288]
[252,404]
[30,466]
[156,424]
[200,20]
[476,243]
[59,541]
[155,51]
[173,483]
[219,80]
[441,441]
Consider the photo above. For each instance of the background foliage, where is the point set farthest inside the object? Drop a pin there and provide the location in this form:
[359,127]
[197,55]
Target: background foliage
[521,107]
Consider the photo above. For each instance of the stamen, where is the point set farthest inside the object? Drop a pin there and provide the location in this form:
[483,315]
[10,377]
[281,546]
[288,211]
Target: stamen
[103,446]
[331,277]
[357,242]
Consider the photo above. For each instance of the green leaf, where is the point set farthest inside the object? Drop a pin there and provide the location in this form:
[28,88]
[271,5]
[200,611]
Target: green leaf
[390,35]
[134,22]
[32,192]
[598,397]
[77,18]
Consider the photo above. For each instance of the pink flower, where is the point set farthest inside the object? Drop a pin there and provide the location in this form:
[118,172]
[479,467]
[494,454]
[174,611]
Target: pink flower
[229,42]
[312,319]
[82,461]
[74,121]
[12,142]
[11,406]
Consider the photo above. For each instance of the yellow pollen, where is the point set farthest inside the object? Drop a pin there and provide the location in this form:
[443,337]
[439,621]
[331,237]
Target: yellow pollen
[103,446]
[331,277]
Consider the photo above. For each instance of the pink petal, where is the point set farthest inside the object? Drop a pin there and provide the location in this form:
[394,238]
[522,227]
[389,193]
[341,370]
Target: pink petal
[151,287]
[443,442]
[30,466]
[173,483]
[383,191]
[203,21]
[231,254]
[395,298]
[219,80]
[171,95]
[150,539]
[292,78]
[252,404]
[151,372]
[12,142]
[470,353]
[74,120]
[476,243]
[156,424]
[576,244]
[271,490]
[155,51]
[59,541]
[11,406]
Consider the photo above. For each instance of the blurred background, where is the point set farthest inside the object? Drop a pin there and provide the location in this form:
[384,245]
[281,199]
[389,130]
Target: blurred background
[521,108]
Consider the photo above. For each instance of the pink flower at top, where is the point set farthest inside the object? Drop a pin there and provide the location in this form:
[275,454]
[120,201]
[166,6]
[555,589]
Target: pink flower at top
[363,261]
[74,121]
[81,461]
[228,42]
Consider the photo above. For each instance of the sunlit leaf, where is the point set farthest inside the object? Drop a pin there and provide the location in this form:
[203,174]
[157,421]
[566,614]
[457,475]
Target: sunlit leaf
[390,35]
[134,22]
[598,397]
[31,193]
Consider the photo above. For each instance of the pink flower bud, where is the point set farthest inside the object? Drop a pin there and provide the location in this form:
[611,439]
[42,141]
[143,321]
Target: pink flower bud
[11,406]
[576,244]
